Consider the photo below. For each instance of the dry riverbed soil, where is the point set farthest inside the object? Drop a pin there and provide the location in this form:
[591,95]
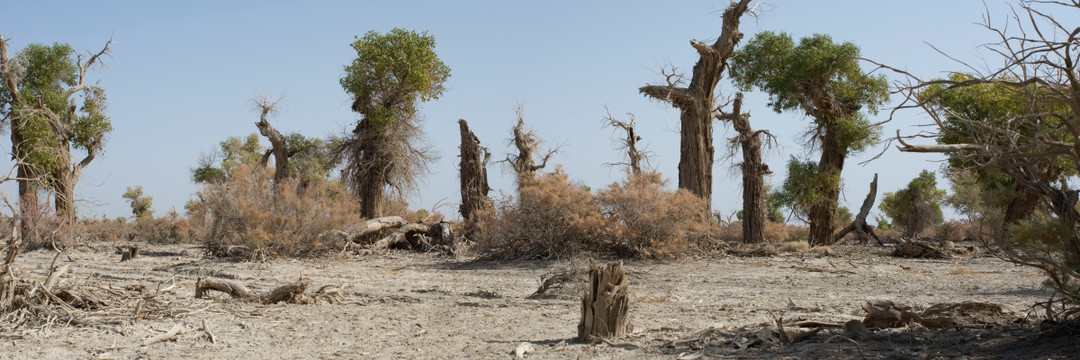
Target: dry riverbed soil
[404,305]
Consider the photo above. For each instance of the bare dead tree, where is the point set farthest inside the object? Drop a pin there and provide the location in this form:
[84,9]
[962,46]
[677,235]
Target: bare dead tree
[473,175]
[634,156]
[859,225]
[527,144]
[753,170]
[278,146]
[697,101]
[1040,57]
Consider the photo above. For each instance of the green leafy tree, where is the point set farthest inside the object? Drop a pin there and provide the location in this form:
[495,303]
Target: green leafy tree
[140,205]
[799,193]
[823,80]
[966,109]
[53,113]
[391,75]
[917,206]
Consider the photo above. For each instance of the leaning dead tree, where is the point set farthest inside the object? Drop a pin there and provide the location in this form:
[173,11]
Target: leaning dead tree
[278,146]
[605,305]
[753,170]
[472,171]
[863,230]
[696,102]
[1041,72]
[527,144]
[634,156]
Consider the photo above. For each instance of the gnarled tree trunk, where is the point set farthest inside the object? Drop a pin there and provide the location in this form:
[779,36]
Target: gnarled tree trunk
[473,175]
[823,213]
[753,172]
[863,230]
[696,101]
[606,303]
[278,146]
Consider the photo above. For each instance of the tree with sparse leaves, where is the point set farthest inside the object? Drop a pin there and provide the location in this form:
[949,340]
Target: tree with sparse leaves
[391,75]
[140,205]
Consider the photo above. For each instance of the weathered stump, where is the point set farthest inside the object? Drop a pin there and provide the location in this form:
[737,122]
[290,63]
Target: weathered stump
[605,305]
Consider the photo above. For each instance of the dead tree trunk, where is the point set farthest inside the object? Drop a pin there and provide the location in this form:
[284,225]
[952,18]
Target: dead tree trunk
[695,102]
[278,146]
[473,174]
[633,155]
[524,163]
[859,226]
[753,172]
[606,303]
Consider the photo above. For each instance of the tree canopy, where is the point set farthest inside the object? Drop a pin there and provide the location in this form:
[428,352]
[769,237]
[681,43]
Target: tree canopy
[916,206]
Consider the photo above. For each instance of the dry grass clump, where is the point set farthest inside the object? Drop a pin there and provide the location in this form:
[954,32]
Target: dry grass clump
[169,229]
[251,217]
[552,217]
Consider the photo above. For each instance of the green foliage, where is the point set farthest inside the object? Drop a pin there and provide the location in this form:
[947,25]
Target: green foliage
[917,206]
[47,72]
[800,189]
[391,72]
[140,205]
[818,76]
[843,216]
[884,224]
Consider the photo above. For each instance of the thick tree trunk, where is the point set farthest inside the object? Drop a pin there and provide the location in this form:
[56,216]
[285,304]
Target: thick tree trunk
[473,175]
[1022,205]
[374,169]
[696,104]
[278,147]
[27,188]
[823,213]
[606,303]
[753,174]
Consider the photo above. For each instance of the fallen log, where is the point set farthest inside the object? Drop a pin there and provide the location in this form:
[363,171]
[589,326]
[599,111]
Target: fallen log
[233,288]
[406,235]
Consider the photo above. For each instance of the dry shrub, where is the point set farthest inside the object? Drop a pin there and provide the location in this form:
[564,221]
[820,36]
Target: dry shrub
[253,218]
[956,231]
[730,232]
[650,221]
[550,218]
[797,233]
[103,230]
[169,229]
[775,232]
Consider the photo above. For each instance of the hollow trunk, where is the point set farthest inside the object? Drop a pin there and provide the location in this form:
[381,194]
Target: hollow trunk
[605,305]
[473,175]
[753,175]
[823,213]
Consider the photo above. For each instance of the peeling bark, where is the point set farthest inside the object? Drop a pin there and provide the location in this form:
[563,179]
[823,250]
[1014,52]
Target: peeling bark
[473,175]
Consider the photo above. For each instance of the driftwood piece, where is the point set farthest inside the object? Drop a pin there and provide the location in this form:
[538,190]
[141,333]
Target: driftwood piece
[859,225]
[919,249]
[291,293]
[171,334]
[405,234]
[210,334]
[233,288]
[606,303]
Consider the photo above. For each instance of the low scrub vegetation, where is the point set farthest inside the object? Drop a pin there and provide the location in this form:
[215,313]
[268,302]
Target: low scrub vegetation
[552,217]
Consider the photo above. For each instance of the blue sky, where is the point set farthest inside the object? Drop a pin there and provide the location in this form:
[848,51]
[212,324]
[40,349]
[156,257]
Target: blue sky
[182,76]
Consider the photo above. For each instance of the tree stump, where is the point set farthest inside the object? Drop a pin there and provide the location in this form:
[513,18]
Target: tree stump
[605,305]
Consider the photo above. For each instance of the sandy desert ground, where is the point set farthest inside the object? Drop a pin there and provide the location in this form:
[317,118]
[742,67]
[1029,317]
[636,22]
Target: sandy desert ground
[403,305]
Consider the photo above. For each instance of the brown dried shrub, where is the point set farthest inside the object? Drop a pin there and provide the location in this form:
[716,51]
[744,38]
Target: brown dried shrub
[776,232]
[550,218]
[168,229]
[253,218]
[105,230]
[650,221]
[957,231]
